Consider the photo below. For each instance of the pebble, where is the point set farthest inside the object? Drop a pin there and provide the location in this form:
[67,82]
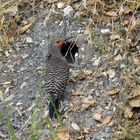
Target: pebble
[61,23]
[68,11]
[29,40]
[96,62]
[80,31]
[60,5]
[75,126]
[97,116]
[18,103]
[122,66]
[23,85]
[24,56]
[105,31]
[46,113]
[111,73]
[118,57]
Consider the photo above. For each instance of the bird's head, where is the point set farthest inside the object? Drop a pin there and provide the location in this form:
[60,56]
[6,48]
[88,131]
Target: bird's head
[59,42]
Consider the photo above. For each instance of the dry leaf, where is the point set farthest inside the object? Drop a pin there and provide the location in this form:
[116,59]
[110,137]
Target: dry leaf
[83,75]
[135,102]
[112,91]
[136,60]
[63,134]
[126,10]
[106,119]
[111,13]
[87,102]
[128,112]
[134,92]
[97,116]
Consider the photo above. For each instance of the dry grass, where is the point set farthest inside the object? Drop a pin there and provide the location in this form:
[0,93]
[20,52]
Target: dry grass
[97,9]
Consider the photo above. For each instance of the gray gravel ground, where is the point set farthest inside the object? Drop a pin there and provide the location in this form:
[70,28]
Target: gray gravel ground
[29,53]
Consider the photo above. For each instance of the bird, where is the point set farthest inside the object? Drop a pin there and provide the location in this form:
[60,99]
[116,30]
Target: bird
[57,76]
[67,48]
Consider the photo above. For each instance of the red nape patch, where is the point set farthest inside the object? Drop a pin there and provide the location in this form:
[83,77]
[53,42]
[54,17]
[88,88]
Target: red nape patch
[59,45]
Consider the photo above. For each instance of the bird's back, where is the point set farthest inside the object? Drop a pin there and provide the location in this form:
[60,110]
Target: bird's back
[57,74]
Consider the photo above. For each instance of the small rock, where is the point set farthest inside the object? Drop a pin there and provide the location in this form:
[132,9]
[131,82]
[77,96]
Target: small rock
[68,11]
[76,55]
[56,22]
[122,66]
[105,31]
[18,103]
[46,113]
[82,48]
[138,47]
[80,31]
[61,23]
[75,127]
[96,62]
[23,85]
[111,73]
[29,40]
[24,56]
[41,6]
[60,5]
[118,57]
[97,116]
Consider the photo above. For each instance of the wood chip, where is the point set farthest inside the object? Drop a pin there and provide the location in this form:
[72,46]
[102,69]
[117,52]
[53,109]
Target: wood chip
[106,120]
[112,91]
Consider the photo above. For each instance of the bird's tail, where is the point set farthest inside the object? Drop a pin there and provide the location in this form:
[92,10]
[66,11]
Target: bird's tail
[54,108]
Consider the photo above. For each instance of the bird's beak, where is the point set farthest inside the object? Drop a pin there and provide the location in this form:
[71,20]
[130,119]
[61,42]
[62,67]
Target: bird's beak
[68,38]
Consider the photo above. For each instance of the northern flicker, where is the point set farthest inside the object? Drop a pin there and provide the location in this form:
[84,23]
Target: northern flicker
[57,71]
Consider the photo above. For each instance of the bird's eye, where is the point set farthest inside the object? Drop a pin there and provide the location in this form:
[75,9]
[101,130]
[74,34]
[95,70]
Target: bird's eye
[57,41]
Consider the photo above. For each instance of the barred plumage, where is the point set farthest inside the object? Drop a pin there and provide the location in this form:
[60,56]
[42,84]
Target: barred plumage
[57,75]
